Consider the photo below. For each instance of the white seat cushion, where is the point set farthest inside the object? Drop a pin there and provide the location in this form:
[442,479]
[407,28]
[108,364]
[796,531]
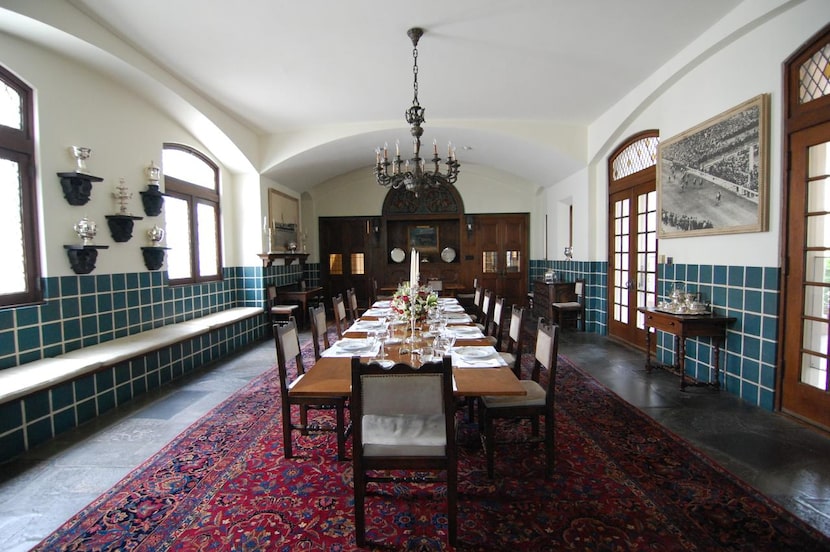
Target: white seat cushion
[509,358]
[535,397]
[404,435]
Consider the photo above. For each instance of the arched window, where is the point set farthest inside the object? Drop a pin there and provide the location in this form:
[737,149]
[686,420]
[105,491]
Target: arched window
[20,277]
[191,183]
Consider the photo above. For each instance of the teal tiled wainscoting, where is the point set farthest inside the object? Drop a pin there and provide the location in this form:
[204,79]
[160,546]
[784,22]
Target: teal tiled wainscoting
[80,311]
[748,293]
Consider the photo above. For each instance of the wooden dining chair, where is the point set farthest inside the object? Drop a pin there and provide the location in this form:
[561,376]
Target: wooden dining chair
[341,321]
[512,351]
[568,311]
[536,405]
[403,421]
[319,329]
[277,312]
[287,342]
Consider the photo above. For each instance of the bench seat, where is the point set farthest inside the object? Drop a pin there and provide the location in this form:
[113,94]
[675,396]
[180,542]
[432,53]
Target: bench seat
[19,381]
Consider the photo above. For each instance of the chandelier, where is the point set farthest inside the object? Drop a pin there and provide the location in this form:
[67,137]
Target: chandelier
[413,173]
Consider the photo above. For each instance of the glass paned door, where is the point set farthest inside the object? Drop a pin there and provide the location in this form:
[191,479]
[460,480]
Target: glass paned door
[633,266]
[807,310]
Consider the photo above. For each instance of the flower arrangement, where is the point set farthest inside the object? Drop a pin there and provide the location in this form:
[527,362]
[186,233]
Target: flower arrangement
[405,305]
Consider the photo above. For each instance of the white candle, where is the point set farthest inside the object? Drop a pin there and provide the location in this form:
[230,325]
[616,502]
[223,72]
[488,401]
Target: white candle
[412,262]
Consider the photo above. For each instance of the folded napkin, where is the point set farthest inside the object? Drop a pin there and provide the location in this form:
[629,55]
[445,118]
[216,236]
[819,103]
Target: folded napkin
[467,332]
[350,348]
[365,326]
[459,319]
[382,304]
[377,311]
[477,357]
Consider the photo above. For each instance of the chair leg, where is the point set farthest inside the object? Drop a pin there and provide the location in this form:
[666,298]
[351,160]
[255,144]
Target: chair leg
[489,443]
[550,436]
[341,432]
[286,430]
[452,505]
[359,513]
[304,419]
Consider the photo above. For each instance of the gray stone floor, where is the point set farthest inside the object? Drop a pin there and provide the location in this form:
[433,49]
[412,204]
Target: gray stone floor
[785,460]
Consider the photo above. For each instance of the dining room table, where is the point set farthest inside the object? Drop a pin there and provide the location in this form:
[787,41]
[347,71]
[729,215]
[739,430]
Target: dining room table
[478,369]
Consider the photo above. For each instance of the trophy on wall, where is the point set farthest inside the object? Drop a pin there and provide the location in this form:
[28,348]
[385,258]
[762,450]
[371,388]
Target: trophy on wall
[122,195]
[86,230]
[155,235]
[81,154]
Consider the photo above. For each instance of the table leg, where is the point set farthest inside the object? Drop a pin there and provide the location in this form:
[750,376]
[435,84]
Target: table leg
[717,344]
[680,347]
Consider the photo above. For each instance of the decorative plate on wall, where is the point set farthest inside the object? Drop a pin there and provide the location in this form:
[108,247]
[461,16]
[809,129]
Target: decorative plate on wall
[397,255]
[448,254]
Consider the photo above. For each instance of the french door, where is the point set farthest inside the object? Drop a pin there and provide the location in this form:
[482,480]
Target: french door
[503,245]
[805,391]
[632,266]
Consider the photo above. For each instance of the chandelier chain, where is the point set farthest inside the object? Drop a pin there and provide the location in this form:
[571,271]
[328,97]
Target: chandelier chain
[415,75]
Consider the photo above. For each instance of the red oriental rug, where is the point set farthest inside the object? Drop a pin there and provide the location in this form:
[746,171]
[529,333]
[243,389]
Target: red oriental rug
[622,482]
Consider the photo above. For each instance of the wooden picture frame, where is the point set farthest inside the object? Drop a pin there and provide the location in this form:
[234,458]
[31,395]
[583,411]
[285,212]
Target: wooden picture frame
[714,178]
[423,238]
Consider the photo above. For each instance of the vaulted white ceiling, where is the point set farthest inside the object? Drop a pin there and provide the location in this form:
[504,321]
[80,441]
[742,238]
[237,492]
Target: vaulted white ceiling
[325,82]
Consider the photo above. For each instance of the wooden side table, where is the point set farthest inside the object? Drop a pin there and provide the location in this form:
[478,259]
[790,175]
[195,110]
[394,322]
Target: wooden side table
[682,326]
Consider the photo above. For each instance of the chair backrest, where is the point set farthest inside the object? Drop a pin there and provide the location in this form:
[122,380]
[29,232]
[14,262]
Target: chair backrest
[487,310]
[545,356]
[319,328]
[477,298]
[403,393]
[579,289]
[287,341]
[515,337]
[351,300]
[339,308]
[496,324]
[271,295]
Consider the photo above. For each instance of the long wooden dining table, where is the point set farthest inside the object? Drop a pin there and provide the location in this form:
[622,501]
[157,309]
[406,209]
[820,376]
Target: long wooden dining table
[331,376]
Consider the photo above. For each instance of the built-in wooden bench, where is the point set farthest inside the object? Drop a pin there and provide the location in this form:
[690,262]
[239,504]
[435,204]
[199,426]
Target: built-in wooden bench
[19,381]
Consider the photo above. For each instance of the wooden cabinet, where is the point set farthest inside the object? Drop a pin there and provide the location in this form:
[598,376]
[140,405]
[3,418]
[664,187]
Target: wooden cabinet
[545,294]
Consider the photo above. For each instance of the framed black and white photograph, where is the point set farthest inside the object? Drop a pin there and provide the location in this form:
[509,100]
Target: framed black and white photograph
[713,178]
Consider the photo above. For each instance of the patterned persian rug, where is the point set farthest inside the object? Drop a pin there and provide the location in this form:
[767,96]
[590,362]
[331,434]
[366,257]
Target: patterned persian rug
[622,482]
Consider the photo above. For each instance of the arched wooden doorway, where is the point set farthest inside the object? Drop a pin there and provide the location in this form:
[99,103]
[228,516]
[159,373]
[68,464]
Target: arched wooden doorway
[804,325]
[632,236]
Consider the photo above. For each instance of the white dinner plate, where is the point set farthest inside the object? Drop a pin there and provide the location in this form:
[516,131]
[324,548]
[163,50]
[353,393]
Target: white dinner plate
[353,345]
[383,362]
[453,308]
[397,255]
[369,324]
[466,330]
[448,254]
[472,353]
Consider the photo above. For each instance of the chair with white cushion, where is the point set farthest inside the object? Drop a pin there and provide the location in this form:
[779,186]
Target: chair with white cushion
[403,421]
[287,343]
[571,310]
[536,405]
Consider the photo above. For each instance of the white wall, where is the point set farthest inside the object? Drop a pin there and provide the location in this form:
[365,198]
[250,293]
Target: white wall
[741,59]
[76,105]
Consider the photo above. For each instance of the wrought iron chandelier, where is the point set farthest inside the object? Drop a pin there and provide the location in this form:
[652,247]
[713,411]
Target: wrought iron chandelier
[413,173]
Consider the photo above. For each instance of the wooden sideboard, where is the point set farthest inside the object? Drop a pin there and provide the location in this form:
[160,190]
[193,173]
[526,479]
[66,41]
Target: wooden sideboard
[545,294]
